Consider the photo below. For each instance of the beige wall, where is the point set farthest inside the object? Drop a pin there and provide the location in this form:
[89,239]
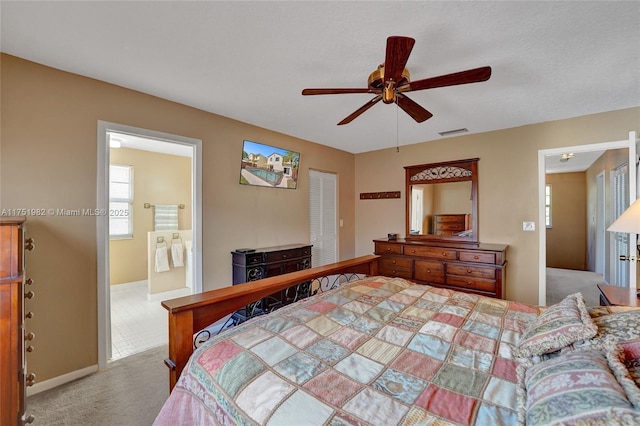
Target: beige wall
[567,237]
[157,179]
[49,160]
[508,184]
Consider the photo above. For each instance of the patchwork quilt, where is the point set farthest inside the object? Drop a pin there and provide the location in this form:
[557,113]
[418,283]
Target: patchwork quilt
[376,351]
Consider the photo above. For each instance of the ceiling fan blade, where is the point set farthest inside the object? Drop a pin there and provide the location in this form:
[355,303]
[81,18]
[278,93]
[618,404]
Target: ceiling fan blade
[397,55]
[463,77]
[360,110]
[416,112]
[335,91]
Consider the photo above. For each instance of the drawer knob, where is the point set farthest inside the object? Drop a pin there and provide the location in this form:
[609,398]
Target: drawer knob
[393,261]
[388,248]
[29,244]
[476,257]
[444,254]
[29,295]
[469,283]
[28,281]
[29,419]
[428,271]
[469,271]
[31,379]
[29,348]
[29,315]
[30,336]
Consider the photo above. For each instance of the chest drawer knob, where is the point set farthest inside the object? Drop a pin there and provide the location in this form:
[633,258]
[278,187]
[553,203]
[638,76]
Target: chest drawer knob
[28,281]
[29,295]
[30,336]
[29,348]
[29,419]
[469,271]
[31,379]
[476,257]
[29,315]
[29,244]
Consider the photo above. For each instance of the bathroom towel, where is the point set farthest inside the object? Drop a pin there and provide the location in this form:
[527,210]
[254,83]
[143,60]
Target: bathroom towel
[166,218]
[162,259]
[177,254]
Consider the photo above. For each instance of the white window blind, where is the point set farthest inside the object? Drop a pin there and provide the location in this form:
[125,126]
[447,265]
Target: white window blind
[322,217]
[120,201]
[547,206]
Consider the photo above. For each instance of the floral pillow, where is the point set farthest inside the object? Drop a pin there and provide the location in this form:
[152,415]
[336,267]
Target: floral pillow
[587,386]
[558,326]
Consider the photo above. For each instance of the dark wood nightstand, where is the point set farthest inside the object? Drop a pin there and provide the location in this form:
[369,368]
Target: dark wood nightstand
[612,295]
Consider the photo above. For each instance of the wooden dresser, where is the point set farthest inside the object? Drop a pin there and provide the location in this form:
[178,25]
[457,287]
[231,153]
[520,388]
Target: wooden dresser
[450,224]
[13,374]
[473,268]
[254,264]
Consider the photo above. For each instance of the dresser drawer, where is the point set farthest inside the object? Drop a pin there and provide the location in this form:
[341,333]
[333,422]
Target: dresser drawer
[278,256]
[472,283]
[396,262]
[471,271]
[479,257]
[396,272]
[433,252]
[382,248]
[430,271]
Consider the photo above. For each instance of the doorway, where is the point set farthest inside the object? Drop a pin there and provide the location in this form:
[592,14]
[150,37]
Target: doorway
[543,157]
[141,141]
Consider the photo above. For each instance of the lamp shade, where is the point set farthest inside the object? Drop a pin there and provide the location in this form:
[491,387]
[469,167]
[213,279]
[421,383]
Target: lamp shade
[629,221]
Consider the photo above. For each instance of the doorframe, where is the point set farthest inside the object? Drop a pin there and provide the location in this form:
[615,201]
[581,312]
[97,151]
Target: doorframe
[102,225]
[542,237]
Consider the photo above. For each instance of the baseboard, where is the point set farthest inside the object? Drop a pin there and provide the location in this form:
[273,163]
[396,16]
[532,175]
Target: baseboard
[172,294]
[61,380]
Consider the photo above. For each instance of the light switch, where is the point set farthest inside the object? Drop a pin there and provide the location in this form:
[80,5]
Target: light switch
[341,223]
[528,226]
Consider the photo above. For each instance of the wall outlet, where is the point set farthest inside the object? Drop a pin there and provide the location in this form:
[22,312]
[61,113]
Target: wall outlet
[528,226]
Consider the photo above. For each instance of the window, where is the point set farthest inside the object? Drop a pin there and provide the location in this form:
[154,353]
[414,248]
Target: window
[547,206]
[120,201]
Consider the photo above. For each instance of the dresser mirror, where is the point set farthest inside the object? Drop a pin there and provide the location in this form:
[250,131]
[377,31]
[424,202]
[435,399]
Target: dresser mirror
[442,201]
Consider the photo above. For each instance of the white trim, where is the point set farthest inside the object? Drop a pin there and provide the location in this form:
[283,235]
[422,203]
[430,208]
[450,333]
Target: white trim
[102,225]
[61,380]
[542,236]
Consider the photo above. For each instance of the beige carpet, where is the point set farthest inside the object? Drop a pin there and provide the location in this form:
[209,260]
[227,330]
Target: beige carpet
[130,392]
[563,282]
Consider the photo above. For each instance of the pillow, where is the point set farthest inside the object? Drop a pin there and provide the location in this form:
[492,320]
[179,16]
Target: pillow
[558,326]
[588,386]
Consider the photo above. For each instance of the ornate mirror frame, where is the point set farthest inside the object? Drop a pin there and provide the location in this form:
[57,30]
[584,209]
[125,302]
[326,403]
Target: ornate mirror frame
[438,173]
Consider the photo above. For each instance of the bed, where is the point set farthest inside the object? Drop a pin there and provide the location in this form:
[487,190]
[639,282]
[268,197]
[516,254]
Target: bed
[387,351]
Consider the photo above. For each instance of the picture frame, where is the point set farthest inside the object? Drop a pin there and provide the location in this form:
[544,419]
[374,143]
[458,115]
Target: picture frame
[270,166]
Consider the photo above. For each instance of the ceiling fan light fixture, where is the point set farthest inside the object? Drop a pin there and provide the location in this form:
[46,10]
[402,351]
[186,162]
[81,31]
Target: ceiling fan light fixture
[453,132]
[567,156]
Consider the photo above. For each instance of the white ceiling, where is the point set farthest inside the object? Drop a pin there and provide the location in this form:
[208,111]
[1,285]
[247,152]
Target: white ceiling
[250,60]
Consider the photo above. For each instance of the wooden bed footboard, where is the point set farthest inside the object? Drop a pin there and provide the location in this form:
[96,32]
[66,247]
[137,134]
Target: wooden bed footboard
[188,315]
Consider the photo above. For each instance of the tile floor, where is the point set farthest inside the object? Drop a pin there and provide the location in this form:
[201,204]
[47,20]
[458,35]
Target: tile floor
[136,323]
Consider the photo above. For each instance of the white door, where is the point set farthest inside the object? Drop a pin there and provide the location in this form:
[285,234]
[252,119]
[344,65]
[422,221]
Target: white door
[322,217]
[600,229]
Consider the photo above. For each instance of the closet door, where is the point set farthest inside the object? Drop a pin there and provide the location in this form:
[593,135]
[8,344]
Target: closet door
[322,217]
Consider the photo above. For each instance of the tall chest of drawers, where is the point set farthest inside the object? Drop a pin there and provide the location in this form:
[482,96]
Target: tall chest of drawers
[472,268]
[13,374]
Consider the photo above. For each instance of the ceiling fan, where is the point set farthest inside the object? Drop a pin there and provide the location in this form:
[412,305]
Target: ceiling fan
[391,81]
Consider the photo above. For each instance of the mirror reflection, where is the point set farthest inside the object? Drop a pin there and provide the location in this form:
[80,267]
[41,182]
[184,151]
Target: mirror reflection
[441,209]
[442,201]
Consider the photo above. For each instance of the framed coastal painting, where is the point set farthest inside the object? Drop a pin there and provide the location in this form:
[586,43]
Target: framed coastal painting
[264,165]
